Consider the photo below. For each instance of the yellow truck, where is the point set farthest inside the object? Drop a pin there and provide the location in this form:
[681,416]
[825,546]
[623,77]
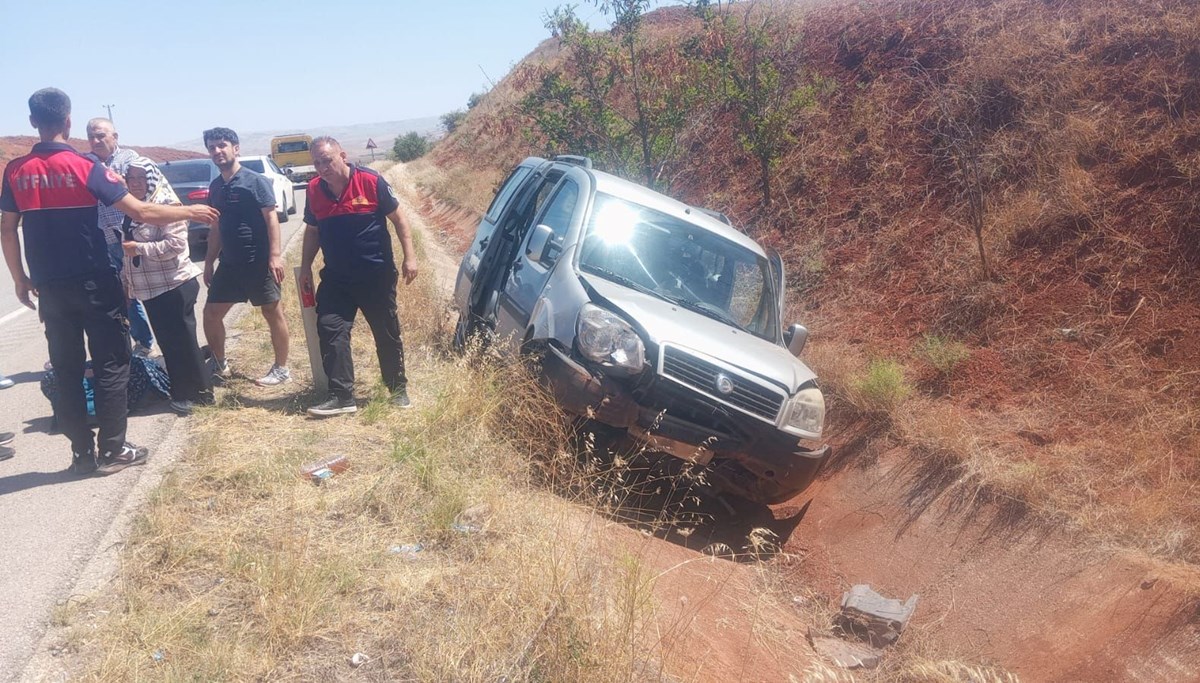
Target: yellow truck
[290,153]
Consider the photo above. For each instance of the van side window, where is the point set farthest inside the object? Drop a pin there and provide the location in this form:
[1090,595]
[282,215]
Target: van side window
[506,191]
[558,213]
[544,191]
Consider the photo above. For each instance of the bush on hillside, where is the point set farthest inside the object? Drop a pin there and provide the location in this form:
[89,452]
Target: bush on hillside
[409,146]
[451,120]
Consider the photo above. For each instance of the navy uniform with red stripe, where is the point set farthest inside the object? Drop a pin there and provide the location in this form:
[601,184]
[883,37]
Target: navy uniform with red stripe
[55,189]
[359,274]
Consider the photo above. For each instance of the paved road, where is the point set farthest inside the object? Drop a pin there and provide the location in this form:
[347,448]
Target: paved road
[50,523]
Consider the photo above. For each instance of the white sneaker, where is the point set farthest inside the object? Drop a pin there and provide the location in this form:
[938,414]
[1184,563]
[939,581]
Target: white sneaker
[276,375]
[5,382]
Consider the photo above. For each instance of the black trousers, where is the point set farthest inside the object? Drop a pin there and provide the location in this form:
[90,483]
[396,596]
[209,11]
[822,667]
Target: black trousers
[338,301]
[173,316]
[96,308]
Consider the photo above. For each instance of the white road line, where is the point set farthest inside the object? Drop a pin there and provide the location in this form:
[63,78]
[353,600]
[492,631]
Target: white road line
[15,314]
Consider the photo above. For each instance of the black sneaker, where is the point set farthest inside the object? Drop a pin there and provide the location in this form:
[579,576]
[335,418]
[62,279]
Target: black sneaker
[400,399]
[7,452]
[6,438]
[182,408]
[130,455]
[334,406]
[83,464]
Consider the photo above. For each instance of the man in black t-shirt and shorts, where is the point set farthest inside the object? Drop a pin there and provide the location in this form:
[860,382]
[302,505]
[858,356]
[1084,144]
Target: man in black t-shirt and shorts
[247,240]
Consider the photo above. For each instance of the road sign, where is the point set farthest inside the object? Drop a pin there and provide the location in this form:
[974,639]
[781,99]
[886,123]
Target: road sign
[371,144]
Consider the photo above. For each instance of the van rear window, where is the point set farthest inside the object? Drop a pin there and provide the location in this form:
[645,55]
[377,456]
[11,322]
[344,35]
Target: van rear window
[295,146]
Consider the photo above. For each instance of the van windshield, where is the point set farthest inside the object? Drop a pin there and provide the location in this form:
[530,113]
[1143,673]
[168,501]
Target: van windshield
[680,262]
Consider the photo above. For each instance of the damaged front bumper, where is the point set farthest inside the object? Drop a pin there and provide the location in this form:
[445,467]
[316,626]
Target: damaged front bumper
[748,457]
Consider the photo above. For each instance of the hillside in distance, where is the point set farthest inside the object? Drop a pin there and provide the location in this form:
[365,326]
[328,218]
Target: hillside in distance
[353,137]
[18,145]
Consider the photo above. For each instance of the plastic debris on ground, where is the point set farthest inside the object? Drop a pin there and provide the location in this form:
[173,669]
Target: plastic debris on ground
[866,624]
[473,519]
[409,550]
[873,618]
[323,470]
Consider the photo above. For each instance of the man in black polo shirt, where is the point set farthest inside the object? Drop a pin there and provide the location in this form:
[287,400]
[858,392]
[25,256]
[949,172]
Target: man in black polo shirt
[51,193]
[247,241]
[346,218]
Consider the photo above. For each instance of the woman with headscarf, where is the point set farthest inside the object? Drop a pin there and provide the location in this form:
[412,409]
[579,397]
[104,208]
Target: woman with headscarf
[159,272]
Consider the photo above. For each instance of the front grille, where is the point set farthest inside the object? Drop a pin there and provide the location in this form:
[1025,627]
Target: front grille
[701,375]
[679,413]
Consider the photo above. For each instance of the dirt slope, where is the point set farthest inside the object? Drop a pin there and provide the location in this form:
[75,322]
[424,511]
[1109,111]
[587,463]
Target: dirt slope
[1040,494]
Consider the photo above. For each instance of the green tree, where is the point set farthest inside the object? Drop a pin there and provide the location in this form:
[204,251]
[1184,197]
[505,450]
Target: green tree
[745,68]
[614,100]
[452,120]
[475,99]
[409,146]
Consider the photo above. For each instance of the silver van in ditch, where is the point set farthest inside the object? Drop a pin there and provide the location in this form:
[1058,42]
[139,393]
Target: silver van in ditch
[652,317]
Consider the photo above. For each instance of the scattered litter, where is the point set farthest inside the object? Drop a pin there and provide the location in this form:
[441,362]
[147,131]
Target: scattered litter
[846,654]
[322,470]
[872,617]
[473,519]
[359,659]
[407,550]
[867,623]
[158,656]
[1069,333]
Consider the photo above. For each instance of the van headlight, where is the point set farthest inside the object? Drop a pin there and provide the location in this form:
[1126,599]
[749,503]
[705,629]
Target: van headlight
[603,337]
[805,413]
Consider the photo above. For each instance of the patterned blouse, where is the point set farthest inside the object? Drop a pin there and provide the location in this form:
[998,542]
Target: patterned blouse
[163,262]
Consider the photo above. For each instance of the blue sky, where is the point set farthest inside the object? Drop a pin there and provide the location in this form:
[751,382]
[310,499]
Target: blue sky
[174,68]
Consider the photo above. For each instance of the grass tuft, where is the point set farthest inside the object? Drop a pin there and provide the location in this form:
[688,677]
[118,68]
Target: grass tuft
[882,388]
[943,354]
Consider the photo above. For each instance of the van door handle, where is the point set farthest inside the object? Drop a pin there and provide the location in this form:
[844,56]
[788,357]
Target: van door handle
[518,265]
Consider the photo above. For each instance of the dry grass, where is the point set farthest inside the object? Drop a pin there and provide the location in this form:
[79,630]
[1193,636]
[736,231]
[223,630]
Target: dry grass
[241,570]
[462,186]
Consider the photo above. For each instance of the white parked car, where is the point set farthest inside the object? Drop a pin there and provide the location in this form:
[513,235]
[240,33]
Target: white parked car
[285,194]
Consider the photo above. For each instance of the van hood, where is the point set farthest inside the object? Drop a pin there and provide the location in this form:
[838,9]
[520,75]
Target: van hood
[665,322]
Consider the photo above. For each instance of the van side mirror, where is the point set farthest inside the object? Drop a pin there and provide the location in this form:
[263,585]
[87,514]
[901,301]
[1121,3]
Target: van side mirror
[540,244]
[287,171]
[795,337]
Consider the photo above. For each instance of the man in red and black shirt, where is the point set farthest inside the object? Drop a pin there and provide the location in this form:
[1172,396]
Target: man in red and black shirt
[346,218]
[52,193]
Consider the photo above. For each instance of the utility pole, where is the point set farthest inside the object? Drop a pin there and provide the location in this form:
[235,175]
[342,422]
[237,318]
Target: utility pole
[109,108]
